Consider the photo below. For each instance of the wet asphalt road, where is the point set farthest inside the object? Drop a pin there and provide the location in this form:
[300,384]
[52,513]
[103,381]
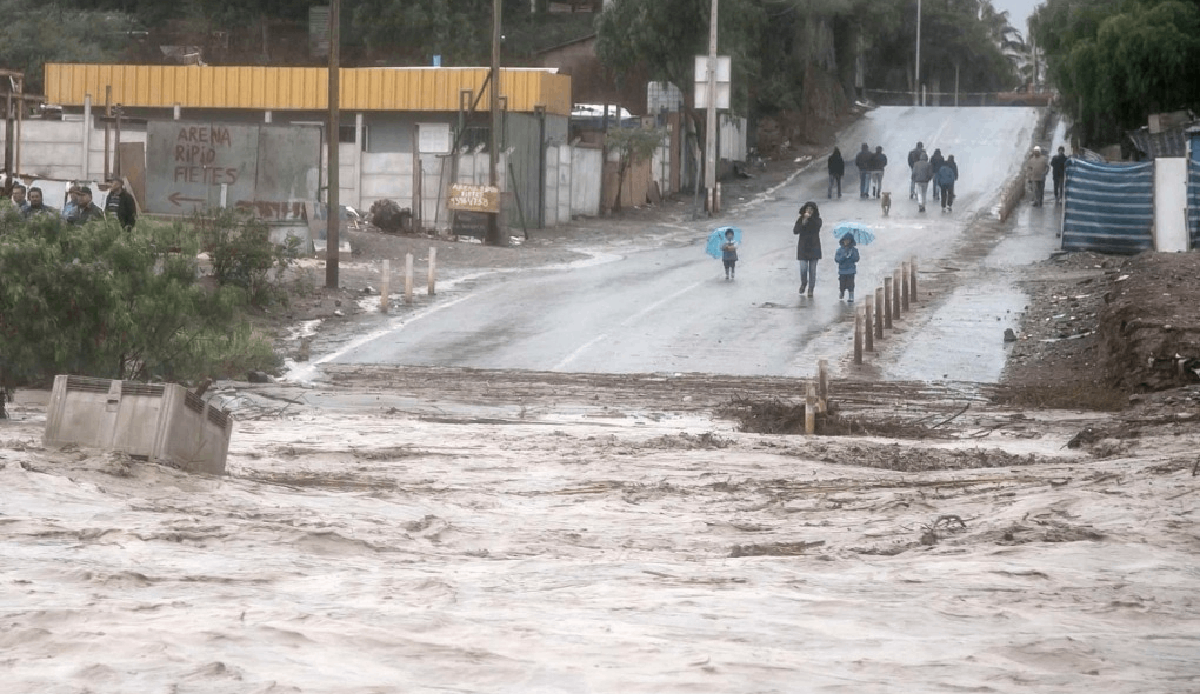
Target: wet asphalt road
[671,310]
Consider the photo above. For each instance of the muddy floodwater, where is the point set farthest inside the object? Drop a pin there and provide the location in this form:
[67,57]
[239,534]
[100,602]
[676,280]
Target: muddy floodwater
[518,535]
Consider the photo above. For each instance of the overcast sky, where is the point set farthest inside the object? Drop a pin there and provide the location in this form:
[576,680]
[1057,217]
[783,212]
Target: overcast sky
[1018,12]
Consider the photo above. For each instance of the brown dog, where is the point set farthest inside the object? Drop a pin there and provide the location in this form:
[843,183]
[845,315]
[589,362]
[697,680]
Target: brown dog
[885,202]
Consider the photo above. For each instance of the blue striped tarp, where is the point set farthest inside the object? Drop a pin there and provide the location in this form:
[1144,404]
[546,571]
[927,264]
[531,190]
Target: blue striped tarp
[1193,194]
[1109,207]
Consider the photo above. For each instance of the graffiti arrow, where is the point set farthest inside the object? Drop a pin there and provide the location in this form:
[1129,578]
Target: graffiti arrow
[176,199]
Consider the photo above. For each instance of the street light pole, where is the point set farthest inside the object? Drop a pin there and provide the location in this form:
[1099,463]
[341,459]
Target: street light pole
[917,69]
[710,145]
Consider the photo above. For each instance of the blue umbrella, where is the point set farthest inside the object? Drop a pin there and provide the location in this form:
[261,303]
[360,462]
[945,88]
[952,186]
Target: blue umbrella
[860,232]
[717,237]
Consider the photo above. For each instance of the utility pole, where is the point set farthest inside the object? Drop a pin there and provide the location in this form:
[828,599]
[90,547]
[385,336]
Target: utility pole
[493,228]
[710,145]
[917,68]
[333,206]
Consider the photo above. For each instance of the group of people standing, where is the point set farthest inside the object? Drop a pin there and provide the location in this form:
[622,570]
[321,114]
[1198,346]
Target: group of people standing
[1036,168]
[941,171]
[80,208]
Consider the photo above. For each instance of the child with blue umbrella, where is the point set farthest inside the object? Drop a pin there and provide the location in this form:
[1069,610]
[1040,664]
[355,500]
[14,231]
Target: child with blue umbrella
[723,243]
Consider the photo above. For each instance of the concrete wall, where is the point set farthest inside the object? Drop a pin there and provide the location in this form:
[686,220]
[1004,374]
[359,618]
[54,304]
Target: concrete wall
[732,138]
[55,149]
[1170,205]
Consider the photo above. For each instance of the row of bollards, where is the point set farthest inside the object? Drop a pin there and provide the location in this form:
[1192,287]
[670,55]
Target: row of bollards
[384,296]
[879,312]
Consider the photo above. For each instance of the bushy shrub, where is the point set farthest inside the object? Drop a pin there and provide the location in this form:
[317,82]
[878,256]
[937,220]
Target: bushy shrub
[243,254]
[100,301]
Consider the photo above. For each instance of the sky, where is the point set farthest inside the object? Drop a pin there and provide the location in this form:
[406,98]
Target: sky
[1018,12]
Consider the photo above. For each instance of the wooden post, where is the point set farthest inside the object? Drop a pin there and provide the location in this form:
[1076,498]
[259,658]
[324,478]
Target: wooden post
[383,286]
[879,313]
[408,278]
[810,410]
[432,265]
[858,334]
[904,286]
[822,383]
[887,302]
[869,310]
[912,278]
[107,132]
[896,282]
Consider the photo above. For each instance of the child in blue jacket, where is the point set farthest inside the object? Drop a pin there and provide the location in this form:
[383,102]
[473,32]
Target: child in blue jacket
[846,258]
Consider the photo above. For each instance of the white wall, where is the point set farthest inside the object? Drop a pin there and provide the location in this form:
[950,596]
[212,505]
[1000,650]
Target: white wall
[1170,205]
[54,149]
[733,138]
[586,165]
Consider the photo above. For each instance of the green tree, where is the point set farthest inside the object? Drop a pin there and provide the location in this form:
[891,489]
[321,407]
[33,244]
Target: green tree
[1115,63]
[632,145]
[32,36]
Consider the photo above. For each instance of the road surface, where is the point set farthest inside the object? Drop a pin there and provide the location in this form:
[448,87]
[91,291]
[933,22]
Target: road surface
[671,310]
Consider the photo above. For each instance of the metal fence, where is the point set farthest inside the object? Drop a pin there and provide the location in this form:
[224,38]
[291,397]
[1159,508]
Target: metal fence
[1109,207]
[1193,194]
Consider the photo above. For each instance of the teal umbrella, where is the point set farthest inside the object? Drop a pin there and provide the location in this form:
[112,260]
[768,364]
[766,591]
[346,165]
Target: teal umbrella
[860,232]
[717,237]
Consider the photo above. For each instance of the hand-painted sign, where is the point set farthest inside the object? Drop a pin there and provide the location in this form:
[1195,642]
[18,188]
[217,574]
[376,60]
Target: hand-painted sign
[474,198]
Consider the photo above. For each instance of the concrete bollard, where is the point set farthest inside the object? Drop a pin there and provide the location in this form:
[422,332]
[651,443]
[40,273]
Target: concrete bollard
[879,312]
[383,286]
[432,265]
[869,329]
[810,410]
[887,302]
[912,278]
[904,277]
[858,334]
[408,278]
[896,282]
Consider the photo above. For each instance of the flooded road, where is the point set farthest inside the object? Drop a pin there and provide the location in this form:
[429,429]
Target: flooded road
[670,309]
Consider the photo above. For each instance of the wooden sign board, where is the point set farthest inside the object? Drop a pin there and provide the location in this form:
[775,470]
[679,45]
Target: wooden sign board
[474,198]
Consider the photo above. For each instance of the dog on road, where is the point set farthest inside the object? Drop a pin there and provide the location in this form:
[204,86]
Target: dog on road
[885,202]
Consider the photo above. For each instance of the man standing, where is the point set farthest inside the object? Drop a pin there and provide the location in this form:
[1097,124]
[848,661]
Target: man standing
[86,210]
[1036,169]
[863,161]
[119,204]
[913,157]
[35,208]
[1058,167]
[837,168]
[18,198]
[72,205]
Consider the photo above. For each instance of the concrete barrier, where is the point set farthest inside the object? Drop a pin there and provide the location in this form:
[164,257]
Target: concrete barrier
[165,423]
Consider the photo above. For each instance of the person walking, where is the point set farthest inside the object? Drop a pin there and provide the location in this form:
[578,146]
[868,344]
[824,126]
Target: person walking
[1058,168]
[945,177]
[935,164]
[914,156]
[863,160]
[1036,168]
[837,169]
[922,172]
[879,162]
[808,245]
[846,258]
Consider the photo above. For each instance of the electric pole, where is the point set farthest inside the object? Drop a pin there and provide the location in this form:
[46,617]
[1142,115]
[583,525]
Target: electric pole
[493,228]
[333,207]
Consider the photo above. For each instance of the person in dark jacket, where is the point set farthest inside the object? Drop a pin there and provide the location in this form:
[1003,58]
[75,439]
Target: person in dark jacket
[85,210]
[945,177]
[935,164]
[878,164]
[837,169]
[1058,169]
[862,160]
[120,204]
[808,245]
[913,157]
[922,173]
[846,258]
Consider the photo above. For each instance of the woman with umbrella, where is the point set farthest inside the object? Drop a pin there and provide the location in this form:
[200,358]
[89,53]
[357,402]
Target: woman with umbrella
[808,245]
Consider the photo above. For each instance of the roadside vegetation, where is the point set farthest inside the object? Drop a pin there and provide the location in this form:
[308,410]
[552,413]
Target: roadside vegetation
[100,301]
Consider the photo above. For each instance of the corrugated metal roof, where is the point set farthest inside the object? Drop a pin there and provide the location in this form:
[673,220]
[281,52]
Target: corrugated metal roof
[1169,143]
[300,88]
